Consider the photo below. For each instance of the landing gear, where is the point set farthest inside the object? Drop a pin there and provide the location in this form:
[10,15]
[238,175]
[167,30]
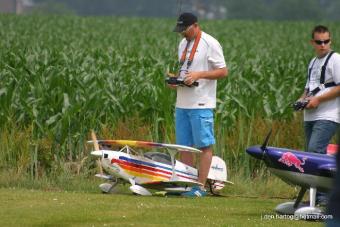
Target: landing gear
[109,187]
[301,210]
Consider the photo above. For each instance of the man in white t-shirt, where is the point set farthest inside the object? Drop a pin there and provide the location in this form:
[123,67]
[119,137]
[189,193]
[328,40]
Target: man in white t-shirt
[322,113]
[322,90]
[201,61]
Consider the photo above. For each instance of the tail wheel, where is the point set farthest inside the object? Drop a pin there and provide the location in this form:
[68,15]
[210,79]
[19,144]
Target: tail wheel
[215,186]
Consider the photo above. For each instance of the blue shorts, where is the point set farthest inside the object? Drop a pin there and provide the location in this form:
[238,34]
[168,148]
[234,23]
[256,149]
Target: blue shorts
[195,127]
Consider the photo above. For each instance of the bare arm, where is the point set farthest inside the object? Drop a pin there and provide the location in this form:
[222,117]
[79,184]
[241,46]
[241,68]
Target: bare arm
[315,101]
[331,94]
[215,74]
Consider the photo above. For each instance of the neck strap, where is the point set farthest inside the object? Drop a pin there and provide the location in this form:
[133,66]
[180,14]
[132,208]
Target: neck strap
[193,51]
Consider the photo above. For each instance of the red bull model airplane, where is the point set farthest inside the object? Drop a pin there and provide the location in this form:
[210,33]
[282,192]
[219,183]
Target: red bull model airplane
[304,169]
[152,170]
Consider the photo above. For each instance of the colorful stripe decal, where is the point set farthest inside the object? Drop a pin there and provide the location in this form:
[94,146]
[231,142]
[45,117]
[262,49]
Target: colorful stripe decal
[139,162]
[138,174]
[146,144]
[139,169]
[134,143]
[145,169]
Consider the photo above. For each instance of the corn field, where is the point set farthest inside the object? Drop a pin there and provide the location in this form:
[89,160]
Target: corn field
[61,76]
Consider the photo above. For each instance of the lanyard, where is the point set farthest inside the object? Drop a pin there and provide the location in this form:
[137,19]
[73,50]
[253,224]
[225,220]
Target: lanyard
[193,51]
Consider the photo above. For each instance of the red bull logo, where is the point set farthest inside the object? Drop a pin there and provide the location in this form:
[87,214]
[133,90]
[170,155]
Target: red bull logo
[290,159]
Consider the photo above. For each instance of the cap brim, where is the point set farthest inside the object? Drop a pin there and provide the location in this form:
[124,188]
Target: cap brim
[179,28]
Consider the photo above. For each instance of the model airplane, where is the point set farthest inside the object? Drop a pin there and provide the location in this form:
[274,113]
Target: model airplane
[152,170]
[307,170]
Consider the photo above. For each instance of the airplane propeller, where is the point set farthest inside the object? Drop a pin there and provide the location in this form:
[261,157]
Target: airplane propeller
[260,151]
[96,148]
[265,143]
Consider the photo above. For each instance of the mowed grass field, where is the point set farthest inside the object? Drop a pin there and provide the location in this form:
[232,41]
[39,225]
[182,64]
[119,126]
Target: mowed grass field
[23,207]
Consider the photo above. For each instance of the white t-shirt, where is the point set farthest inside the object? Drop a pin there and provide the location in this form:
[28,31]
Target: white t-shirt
[329,110]
[208,56]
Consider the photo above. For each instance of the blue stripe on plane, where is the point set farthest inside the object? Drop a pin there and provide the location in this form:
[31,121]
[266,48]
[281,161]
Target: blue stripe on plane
[139,162]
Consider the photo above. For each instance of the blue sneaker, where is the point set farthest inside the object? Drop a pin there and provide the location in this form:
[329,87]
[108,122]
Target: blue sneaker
[195,192]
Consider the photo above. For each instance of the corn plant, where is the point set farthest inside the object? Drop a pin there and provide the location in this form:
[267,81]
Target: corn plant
[61,76]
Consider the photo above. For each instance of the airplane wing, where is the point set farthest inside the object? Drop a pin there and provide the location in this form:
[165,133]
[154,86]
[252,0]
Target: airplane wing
[146,144]
[160,185]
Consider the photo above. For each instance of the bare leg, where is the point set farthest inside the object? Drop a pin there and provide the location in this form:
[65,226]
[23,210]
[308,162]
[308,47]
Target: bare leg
[204,166]
[187,158]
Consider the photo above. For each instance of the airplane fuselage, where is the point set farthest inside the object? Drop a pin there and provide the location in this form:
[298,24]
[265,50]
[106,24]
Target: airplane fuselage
[304,169]
[142,169]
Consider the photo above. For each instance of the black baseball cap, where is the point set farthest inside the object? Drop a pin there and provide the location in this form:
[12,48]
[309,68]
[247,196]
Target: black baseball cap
[185,20]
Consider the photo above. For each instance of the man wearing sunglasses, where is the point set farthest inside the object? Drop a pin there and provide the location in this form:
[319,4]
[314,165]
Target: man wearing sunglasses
[201,62]
[322,95]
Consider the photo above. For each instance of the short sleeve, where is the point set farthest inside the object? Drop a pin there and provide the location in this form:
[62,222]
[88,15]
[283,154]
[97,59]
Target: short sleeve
[215,55]
[336,69]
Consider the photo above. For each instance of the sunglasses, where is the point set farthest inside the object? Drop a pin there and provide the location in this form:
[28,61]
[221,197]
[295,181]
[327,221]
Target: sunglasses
[186,29]
[320,42]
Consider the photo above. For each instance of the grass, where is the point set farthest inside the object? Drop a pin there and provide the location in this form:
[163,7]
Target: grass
[23,207]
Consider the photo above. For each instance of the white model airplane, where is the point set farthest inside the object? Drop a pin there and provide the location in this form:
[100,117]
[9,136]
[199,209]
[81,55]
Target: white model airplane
[152,170]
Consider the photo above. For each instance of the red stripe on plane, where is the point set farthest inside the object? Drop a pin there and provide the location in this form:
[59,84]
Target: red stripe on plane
[141,168]
[148,169]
